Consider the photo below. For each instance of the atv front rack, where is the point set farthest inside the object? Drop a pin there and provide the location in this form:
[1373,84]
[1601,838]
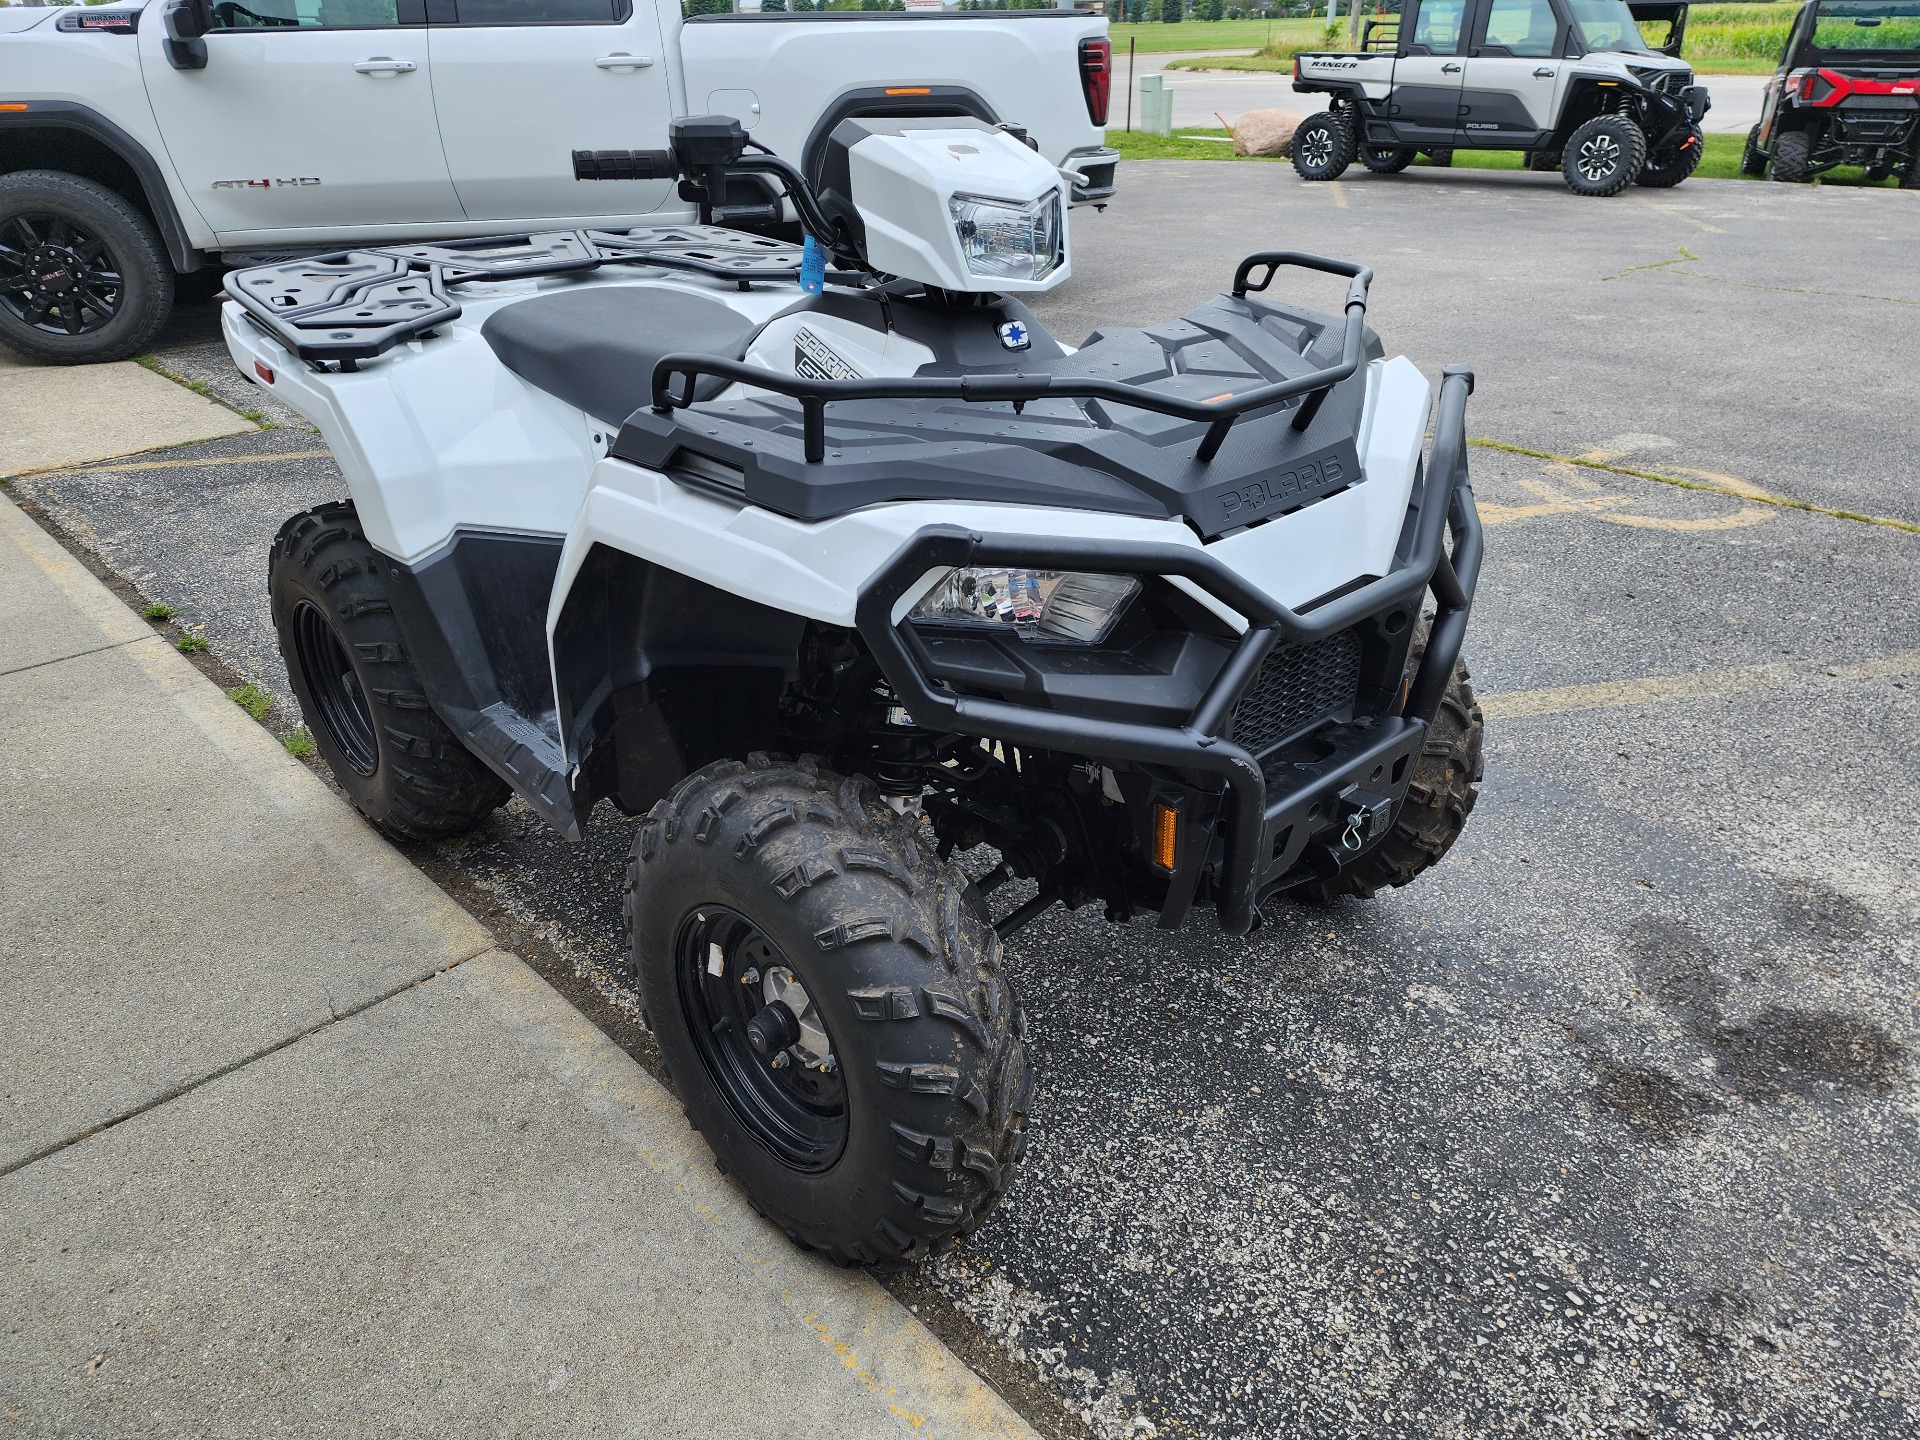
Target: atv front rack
[355,305]
[1445,502]
[814,395]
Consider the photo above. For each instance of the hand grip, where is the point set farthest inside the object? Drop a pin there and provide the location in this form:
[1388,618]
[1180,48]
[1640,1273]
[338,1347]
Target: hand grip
[381,65]
[625,165]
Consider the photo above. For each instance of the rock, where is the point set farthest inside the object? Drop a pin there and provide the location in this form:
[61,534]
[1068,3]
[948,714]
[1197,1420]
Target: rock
[1266,132]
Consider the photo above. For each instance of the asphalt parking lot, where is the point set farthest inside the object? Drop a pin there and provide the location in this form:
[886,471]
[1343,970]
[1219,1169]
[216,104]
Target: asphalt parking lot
[1606,1127]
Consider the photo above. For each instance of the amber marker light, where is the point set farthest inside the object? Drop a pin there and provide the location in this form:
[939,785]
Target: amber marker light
[1166,829]
[907,90]
[13,105]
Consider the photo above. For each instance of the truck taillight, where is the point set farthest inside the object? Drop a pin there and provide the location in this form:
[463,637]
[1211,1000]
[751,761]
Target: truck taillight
[1096,77]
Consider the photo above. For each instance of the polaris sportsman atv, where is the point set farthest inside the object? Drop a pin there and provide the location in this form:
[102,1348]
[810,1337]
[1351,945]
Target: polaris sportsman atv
[830,562]
[1847,92]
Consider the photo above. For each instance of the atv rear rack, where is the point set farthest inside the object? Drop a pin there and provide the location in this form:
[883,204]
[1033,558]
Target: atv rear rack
[355,305]
[1219,414]
[1445,504]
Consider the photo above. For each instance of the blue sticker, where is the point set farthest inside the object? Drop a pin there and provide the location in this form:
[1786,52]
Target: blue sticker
[813,267]
[1013,335]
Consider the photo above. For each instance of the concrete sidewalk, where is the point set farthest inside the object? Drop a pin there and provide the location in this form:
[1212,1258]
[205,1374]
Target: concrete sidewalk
[53,415]
[286,1147]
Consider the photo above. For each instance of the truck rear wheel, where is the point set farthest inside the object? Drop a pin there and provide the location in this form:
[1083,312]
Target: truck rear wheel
[830,1007]
[359,692]
[1440,796]
[83,276]
[1603,156]
[1669,165]
[1792,158]
[1323,146]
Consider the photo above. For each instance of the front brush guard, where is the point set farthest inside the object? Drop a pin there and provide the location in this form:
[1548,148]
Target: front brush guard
[1199,744]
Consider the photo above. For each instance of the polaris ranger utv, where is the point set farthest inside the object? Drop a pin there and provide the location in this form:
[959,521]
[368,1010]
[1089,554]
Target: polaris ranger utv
[829,562]
[1570,82]
[1847,93]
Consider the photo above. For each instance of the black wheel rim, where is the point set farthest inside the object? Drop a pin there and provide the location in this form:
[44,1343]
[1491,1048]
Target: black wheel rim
[56,276]
[334,688]
[797,1110]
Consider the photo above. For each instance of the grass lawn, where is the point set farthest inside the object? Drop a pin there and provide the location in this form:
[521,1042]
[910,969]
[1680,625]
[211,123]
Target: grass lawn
[1154,38]
[1721,161]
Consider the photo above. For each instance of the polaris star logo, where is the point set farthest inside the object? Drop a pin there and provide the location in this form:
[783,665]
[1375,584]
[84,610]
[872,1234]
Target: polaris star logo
[1013,335]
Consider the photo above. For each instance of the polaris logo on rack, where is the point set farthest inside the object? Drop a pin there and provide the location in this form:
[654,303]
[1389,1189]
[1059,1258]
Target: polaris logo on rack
[1255,499]
[1013,335]
[816,360]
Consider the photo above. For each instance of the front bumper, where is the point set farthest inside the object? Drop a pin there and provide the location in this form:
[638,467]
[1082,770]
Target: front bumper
[1268,816]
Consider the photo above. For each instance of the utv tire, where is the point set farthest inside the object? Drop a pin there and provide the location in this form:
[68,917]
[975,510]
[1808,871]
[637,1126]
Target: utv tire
[1323,146]
[1603,156]
[83,275]
[1752,162]
[1910,177]
[361,697]
[1439,159]
[1439,798]
[1792,158]
[1546,161]
[753,883]
[1385,159]
[1668,166]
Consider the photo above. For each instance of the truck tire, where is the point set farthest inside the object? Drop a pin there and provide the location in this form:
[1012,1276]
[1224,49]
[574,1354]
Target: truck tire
[1323,146]
[83,276]
[1752,162]
[1440,796]
[1386,159]
[830,1008]
[360,694]
[1603,156]
[1669,165]
[1791,160]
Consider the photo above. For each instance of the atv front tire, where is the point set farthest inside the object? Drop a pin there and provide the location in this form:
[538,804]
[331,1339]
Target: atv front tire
[1386,159]
[1669,165]
[1603,156]
[1792,158]
[830,1008]
[83,276]
[1323,146]
[1440,796]
[359,692]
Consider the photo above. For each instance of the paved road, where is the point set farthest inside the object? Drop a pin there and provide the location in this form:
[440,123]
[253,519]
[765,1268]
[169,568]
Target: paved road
[1200,96]
[1606,1126]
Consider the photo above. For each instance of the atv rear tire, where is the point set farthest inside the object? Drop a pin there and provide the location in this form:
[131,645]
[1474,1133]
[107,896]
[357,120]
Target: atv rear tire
[1792,158]
[1669,165]
[1386,159]
[83,276]
[1323,146]
[1752,162]
[363,700]
[1603,156]
[1439,798]
[753,883]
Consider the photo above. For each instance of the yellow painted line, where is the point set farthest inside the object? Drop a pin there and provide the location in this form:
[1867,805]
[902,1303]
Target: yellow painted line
[1701,685]
[1677,214]
[1705,481]
[1339,193]
[190,464]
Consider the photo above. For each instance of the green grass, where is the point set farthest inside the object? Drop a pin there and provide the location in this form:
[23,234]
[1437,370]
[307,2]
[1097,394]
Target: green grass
[252,699]
[299,744]
[1720,162]
[158,610]
[190,645]
[1154,38]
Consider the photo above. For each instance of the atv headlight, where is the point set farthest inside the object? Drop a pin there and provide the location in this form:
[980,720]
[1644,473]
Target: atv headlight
[1033,604]
[1006,241]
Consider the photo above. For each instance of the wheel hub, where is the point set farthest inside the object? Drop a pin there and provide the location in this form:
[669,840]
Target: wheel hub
[56,276]
[806,1036]
[1599,156]
[1319,148]
[53,269]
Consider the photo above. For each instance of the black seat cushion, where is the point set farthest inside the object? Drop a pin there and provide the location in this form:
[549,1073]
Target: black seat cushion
[595,347]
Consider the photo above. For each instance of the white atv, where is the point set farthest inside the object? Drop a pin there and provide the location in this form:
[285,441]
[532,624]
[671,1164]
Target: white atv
[637,516]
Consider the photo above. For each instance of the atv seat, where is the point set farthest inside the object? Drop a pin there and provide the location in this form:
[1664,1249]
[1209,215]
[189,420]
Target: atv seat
[596,347]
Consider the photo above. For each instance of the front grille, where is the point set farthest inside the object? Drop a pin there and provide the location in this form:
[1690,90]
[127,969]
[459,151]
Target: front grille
[1298,687]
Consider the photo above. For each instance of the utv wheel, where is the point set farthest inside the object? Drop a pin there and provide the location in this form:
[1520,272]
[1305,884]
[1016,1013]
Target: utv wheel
[1752,162]
[1543,160]
[1603,156]
[83,276]
[1439,159]
[358,690]
[1668,166]
[1322,146]
[1439,798]
[1910,177]
[1879,174]
[830,1008]
[1385,159]
[1792,158]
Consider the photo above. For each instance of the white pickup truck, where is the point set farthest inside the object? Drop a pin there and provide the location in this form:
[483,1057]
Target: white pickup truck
[152,138]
